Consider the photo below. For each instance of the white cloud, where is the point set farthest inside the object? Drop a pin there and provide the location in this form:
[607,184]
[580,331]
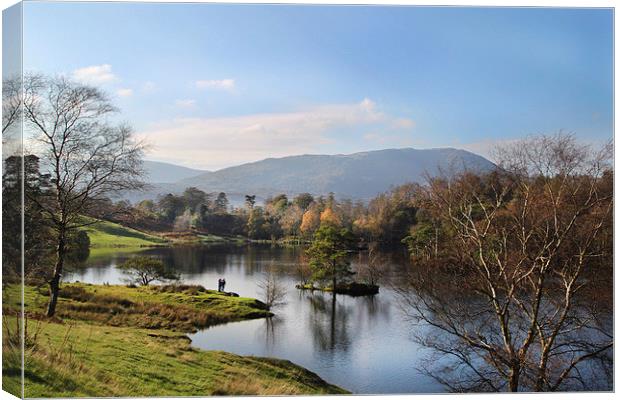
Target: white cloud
[222,84]
[218,142]
[124,92]
[185,103]
[95,74]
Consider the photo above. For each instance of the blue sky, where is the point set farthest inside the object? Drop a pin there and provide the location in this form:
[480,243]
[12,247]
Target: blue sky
[211,86]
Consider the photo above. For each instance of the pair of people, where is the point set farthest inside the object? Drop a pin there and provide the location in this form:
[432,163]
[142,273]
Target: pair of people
[221,283]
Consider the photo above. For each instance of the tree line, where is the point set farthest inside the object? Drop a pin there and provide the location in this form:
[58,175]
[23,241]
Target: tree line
[386,218]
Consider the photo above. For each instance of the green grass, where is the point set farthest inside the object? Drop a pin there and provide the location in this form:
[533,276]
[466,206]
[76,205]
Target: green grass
[120,341]
[181,308]
[82,360]
[108,234]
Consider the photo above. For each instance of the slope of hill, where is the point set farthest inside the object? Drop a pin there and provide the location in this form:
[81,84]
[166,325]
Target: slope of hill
[110,234]
[161,172]
[358,176]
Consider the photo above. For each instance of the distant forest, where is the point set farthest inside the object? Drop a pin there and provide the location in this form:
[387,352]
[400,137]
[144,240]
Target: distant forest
[386,218]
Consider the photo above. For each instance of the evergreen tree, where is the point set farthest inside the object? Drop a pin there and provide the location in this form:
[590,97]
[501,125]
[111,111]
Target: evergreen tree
[221,203]
[37,234]
[329,255]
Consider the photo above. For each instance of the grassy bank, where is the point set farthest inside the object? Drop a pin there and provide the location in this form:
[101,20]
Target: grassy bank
[181,308]
[120,341]
[109,234]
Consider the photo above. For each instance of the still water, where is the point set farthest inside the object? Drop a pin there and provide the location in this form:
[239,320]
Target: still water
[362,344]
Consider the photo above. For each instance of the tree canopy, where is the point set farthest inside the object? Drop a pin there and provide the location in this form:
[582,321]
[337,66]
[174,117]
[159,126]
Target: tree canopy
[145,270]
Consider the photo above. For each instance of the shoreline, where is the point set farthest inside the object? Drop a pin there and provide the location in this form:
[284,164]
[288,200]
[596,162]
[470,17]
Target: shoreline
[145,329]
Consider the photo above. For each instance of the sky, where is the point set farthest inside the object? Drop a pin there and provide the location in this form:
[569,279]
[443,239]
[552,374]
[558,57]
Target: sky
[211,86]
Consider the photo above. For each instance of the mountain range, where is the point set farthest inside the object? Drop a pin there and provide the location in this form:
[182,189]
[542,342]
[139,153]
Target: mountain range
[356,176]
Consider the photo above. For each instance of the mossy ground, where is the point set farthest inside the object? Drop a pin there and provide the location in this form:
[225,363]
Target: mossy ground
[120,341]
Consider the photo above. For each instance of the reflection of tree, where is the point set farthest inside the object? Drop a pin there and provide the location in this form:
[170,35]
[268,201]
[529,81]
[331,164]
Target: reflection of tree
[328,321]
[271,327]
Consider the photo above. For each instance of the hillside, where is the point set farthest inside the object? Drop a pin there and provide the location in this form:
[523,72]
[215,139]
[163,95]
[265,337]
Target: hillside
[109,234]
[358,176]
[161,172]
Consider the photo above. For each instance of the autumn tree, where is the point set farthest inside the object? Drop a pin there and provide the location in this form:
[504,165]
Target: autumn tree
[517,297]
[390,215]
[291,220]
[310,221]
[330,217]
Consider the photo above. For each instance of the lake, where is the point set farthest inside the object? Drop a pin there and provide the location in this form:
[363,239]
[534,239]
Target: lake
[363,344]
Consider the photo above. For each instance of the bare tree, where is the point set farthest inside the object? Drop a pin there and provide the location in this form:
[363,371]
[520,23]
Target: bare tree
[87,157]
[303,270]
[511,298]
[273,292]
[373,269]
[11,102]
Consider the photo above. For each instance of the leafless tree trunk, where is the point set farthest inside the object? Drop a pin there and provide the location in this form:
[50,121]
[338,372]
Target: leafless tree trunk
[529,240]
[274,293]
[87,157]
[372,270]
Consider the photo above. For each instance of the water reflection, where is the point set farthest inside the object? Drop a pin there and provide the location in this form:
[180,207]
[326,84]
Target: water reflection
[362,344]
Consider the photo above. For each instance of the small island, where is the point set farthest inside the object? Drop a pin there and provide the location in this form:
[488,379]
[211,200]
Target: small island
[330,266]
[352,288]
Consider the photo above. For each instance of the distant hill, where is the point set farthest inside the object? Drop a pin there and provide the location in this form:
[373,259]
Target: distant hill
[357,176]
[161,172]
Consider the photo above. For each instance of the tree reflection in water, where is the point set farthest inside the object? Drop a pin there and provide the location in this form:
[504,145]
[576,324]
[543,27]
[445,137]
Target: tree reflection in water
[272,329]
[328,322]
